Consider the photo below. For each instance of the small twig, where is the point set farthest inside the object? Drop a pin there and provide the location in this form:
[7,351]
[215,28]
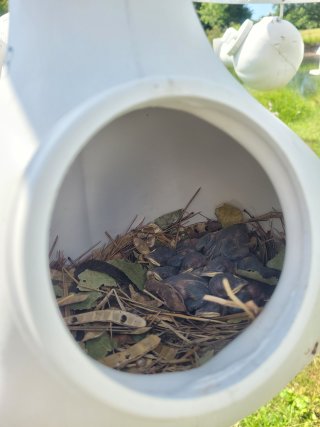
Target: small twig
[71,276]
[166,325]
[256,221]
[265,217]
[221,301]
[86,252]
[153,319]
[112,240]
[152,296]
[131,224]
[204,216]
[65,287]
[118,300]
[235,299]
[53,246]
[182,214]
[71,261]
[104,300]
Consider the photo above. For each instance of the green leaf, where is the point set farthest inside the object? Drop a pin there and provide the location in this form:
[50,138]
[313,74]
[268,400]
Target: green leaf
[255,275]
[93,280]
[90,302]
[277,262]
[99,347]
[134,271]
[164,221]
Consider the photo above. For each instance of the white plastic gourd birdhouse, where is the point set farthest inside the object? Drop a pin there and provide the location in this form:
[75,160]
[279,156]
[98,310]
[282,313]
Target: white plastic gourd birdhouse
[265,55]
[270,54]
[119,108]
[221,46]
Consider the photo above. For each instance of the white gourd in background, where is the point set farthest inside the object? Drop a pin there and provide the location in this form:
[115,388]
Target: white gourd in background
[270,55]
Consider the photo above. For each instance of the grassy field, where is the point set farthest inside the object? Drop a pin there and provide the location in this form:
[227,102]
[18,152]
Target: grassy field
[298,405]
[298,105]
[311,36]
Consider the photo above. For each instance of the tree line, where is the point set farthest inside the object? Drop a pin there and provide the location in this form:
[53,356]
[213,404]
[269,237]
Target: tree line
[216,18]
[3,6]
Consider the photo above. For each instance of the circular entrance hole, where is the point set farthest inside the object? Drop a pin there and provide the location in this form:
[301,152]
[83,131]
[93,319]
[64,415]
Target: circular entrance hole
[147,163]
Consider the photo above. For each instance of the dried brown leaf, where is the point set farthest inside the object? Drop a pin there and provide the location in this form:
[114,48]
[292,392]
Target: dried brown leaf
[151,240]
[166,352]
[119,317]
[151,228]
[72,299]
[133,353]
[168,295]
[90,335]
[141,246]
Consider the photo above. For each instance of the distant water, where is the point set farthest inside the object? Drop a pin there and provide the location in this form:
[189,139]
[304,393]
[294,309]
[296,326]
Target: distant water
[303,82]
[308,85]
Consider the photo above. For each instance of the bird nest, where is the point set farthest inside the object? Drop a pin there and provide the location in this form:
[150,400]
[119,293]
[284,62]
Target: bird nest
[168,295]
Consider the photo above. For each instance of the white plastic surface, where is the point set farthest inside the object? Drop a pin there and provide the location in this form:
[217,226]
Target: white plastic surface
[242,33]
[220,46]
[132,129]
[270,55]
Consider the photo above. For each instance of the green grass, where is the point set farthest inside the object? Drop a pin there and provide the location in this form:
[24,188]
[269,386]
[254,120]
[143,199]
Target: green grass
[298,104]
[297,405]
[311,36]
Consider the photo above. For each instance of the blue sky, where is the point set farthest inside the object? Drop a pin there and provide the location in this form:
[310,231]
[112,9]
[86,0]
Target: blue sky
[260,10]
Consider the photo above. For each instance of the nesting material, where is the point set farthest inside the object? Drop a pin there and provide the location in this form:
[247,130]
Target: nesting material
[168,295]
